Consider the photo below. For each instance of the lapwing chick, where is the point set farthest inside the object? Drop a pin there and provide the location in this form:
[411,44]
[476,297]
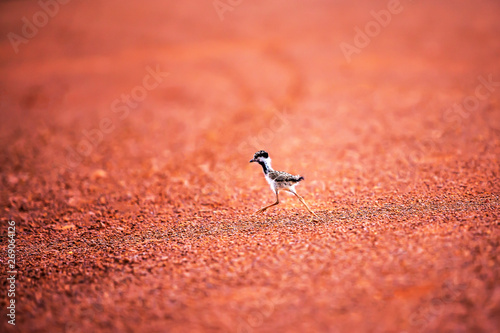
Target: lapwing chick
[278,180]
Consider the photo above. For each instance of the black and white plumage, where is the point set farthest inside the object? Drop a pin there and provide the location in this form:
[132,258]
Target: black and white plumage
[278,180]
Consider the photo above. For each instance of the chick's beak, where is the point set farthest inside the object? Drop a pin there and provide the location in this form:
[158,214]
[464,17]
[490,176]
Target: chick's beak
[253,160]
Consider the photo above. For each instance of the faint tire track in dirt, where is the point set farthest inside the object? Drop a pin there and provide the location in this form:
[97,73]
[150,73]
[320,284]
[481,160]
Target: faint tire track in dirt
[296,89]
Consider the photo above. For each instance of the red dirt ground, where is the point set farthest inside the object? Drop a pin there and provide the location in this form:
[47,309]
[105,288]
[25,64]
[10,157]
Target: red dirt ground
[134,214]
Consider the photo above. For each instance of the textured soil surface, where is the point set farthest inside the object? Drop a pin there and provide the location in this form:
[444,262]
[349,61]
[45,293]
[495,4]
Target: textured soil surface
[125,136]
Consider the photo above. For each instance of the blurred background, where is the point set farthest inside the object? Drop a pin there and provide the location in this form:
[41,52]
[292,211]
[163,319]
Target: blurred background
[324,85]
[118,112]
